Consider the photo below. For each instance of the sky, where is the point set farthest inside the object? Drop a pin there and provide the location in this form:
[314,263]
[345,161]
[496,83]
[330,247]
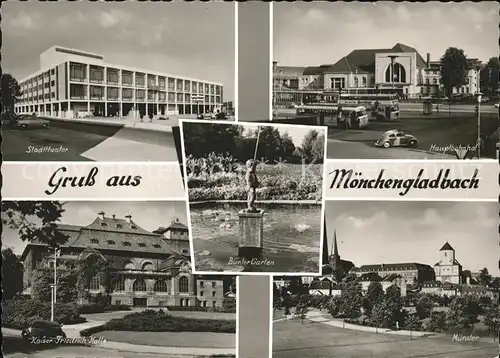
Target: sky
[315,33]
[396,232]
[188,39]
[148,215]
[296,133]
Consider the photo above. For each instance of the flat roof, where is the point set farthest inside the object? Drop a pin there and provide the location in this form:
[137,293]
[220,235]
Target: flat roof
[106,64]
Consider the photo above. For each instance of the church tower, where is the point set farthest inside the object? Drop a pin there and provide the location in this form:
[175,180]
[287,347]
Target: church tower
[447,254]
[334,259]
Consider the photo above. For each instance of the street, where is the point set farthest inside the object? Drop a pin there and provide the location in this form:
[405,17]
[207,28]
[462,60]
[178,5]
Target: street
[436,135]
[445,108]
[101,143]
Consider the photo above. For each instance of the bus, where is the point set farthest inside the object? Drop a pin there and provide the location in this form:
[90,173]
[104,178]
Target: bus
[383,107]
[351,117]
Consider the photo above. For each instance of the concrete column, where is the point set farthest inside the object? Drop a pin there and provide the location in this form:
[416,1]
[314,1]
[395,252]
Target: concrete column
[88,106]
[121,109]
[157,108]
[251,233]
[106,109]
[69,109]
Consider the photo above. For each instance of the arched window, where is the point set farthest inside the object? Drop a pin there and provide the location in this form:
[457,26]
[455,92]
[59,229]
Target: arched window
[95,283]
[160,286]
[129,265]
[119,284]
[139,285]
[396,76]
[184,284]
[147,266]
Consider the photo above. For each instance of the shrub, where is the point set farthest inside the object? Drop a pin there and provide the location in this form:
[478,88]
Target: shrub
[201,309]
[117,308]
[91,308]
[21,313]
[159,321]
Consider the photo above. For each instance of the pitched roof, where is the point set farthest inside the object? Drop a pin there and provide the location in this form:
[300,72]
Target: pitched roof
[111,233]
[396,266]
[447,246]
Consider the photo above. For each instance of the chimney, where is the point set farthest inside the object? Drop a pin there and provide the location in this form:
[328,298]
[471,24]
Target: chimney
[101,215]
[428,60]
[113,216]
[129,218]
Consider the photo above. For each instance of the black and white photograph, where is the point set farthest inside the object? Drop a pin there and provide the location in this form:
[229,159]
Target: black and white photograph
[391,80]
[114,279]
[255,196]
[101,81]
[399,279]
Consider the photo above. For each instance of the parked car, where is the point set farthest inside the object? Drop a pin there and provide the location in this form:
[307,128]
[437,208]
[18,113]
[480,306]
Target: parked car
[45,330]
[485,99]
[30,121]
[8,117]
[200,116]
[396,138]
[496,105]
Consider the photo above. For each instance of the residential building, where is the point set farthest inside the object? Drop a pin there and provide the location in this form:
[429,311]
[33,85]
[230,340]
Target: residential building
[73,83]
[150,269]
[400,69]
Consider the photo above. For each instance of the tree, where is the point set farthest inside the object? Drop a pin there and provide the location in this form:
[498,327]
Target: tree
[489,76]
[10,92]
[288,148]
[12,274]
[318,149]
[492,319]
[17,214]
[454,69]
[374,294]
[424,306]
[308,144]
[270,145]
[296,287]
[352,299]
[334,306]
[484,277]
[412,323]
[43,279]
[456,317]
[495,286]
[219,138]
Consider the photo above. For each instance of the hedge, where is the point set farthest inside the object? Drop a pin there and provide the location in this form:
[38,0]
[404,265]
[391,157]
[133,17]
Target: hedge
[19,314]
[202,309]
[161,321]
[100,308]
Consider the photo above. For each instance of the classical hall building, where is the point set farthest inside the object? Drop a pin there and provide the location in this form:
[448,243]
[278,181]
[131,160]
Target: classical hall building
[148,269]
[73,83]
[399,69]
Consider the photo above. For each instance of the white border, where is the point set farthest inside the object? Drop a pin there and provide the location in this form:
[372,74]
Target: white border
[271,312]
[191,239]
[236,62]
[237,314]
[42,163]
[271,72]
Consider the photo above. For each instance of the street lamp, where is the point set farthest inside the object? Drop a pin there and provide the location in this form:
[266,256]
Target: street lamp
[479,96]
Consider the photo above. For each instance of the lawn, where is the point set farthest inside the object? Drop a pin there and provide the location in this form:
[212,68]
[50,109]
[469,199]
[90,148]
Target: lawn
[277,182]
[292,339]
[172,339]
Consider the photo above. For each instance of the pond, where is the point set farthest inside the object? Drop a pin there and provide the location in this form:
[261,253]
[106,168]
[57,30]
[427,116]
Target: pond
[291,237]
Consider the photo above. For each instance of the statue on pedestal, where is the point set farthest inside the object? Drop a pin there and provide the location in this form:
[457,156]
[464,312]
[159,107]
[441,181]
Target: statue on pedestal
[252,185]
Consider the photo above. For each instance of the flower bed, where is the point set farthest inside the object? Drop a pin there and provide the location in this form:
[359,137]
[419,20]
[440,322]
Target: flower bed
[160,321]
[277,182]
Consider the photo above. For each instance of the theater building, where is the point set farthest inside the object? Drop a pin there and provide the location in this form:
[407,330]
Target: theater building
[73,83]
[400,69]
[148,269]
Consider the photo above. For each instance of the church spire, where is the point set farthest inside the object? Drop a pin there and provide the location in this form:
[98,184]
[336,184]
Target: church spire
[335,248]
[325,245]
